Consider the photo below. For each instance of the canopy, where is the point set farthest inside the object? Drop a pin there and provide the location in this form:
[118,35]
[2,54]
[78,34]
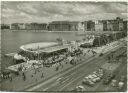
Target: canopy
[53,49]
[36,46]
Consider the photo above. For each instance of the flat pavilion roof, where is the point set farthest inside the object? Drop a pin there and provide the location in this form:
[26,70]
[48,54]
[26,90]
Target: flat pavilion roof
[35,46]
[53,49]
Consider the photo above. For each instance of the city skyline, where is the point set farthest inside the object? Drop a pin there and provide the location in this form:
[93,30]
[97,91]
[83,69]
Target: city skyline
[44,12]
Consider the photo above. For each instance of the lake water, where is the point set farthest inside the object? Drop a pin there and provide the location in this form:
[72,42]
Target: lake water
[11,41]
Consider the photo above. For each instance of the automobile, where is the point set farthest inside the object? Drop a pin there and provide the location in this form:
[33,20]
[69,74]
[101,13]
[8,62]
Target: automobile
[91,78]
[98,74]
[120,85]
[114,83]
[80,88]
[98,79]
[95,78]
[88,82]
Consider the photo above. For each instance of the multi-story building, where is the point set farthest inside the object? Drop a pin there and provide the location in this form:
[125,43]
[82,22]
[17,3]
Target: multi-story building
[43,26]
[125,25]
[81,26]
[14,26]
[75,26]
[98,25]
[113,25]
[90,26]
[59,26]
[119,23]
[104,25]
[109,25]
[63,26]
[36,26]
[5,26]
[17,26]
[21,26]
[27,26]
[85,25]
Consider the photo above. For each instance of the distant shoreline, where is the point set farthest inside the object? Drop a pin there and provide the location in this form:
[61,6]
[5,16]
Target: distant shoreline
[34,31]
[46,31]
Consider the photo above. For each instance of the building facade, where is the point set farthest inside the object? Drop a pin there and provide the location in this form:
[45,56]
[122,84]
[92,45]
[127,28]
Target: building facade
[104,25]
[85,25]
[63,26]
[81,26]
[14,26]
[75,25]
[125,25]
[21,26]
[119,23]
[36,26]
[58,26]
[90,26]
[99,25]
[109,25]
[5,26]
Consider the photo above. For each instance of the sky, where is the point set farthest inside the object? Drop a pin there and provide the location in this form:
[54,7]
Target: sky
[44,12]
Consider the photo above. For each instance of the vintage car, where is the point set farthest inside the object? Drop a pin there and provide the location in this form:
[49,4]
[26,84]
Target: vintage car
[88,82]
[78,88]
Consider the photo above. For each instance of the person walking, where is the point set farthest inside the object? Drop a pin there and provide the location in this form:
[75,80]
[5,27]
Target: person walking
[24,77]
[42,75]
[11,79]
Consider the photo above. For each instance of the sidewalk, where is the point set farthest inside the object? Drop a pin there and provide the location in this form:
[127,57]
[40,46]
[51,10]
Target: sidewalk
[19,84]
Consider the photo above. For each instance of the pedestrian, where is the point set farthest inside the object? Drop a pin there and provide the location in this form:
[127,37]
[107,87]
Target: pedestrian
[42,75]
[11,78]
[24,78]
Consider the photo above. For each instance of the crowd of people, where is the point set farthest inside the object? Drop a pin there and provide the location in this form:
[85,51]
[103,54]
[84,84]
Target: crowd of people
[57,60]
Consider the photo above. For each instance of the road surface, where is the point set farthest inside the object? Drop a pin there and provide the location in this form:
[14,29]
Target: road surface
[70,79]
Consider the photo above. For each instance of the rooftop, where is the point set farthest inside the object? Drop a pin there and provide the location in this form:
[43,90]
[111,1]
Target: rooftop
[36,46]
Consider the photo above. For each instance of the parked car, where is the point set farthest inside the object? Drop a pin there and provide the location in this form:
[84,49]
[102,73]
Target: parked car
[120,85]
[114,83]
[80,88]
[88,82]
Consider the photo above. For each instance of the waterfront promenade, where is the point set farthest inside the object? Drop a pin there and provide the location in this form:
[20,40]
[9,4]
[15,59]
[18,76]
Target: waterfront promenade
[73,78]
[33,78]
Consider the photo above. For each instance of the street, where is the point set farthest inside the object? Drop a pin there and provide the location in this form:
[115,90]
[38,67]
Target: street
[69,80]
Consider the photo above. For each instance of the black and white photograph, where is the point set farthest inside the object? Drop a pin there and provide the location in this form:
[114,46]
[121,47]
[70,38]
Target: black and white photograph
[63,46]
